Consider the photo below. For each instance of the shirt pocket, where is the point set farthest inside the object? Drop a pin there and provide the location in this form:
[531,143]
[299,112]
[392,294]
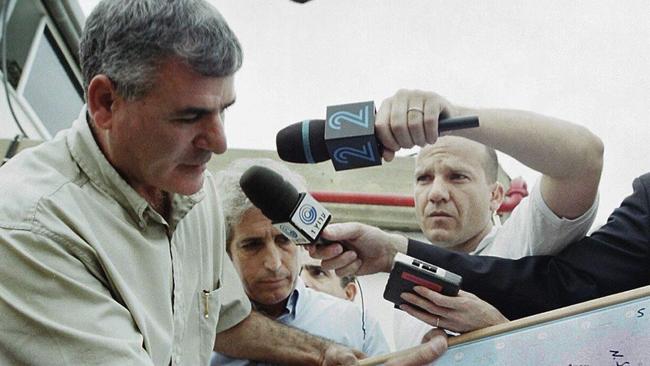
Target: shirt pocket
[209,308]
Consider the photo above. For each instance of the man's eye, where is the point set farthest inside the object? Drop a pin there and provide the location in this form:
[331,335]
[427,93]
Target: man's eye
[316,272]
[422,179]
[188,118]
[458,176]
[250,245]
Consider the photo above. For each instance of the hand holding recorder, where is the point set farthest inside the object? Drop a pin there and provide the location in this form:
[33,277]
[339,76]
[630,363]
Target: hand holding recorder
[367,250]
[417,287]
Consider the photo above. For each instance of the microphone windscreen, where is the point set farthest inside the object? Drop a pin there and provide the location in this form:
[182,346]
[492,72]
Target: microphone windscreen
[269,192]
[303,142]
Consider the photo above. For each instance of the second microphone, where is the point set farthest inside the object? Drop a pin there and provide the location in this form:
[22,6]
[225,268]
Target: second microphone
[296,214]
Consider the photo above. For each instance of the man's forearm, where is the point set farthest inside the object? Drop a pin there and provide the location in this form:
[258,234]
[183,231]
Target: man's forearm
[568,155]
[583,271]
[554,147]
[613,259]
[260,338]
[517,288]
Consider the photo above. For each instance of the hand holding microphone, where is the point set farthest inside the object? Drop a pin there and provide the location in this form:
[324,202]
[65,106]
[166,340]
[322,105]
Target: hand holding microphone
[415,117]
[297,215]
[302,219]
[353,137]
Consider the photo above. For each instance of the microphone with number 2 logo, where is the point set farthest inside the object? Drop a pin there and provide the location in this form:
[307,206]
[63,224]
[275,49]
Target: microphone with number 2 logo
[347,137]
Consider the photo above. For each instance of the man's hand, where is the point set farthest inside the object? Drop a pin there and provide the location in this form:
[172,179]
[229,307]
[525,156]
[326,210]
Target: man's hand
[339,355]
[409,118]
[462,313]
[434,344]
[358,249]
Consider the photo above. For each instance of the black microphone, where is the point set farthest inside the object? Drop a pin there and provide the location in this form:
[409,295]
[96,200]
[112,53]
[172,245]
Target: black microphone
[297,215]
[347,137]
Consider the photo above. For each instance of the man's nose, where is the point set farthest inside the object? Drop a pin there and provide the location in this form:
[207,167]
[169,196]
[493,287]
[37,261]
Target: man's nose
[272,258]
[212,135]
[438,191]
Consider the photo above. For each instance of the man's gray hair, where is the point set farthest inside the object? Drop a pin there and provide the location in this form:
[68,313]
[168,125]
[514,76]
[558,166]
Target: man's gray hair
[127,40]
[231,197]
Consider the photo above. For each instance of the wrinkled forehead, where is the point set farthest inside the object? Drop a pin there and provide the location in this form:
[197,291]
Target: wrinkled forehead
[452,152]
[252,224]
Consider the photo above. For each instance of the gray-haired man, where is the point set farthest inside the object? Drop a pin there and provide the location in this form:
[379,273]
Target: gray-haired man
[269,265]
[111,245]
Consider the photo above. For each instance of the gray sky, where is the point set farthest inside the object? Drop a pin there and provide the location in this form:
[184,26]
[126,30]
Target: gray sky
[583,61]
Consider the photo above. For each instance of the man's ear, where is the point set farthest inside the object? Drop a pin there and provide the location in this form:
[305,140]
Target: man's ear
[101,97]
[497,195]
[350,291]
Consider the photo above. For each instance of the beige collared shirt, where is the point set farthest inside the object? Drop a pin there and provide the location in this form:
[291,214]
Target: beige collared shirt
[90,274]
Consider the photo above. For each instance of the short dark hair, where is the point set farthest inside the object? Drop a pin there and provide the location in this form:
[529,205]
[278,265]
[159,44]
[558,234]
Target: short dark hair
[490,161]
[491,164]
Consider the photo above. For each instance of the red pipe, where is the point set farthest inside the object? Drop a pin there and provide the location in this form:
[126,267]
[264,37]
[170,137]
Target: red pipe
[518,190]
[364,198]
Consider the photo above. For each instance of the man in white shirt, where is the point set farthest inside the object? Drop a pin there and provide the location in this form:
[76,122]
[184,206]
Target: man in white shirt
[457,192]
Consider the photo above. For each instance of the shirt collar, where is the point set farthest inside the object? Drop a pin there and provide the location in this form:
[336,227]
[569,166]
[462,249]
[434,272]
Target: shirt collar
[485,241]
[93,163]
[297,298]
[291,307]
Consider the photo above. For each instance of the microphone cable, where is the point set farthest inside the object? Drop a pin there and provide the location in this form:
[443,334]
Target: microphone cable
[363,308]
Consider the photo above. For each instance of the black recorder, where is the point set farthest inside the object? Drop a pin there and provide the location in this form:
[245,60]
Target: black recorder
[409,272]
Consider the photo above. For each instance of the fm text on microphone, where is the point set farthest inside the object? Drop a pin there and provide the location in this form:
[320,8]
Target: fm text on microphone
[297,215]
[347,137]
